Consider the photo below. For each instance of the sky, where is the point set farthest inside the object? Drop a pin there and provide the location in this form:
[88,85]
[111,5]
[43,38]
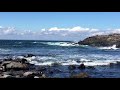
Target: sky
[73,26]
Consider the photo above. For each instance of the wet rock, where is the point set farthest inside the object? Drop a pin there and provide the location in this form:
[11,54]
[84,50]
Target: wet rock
[50,72]
[21,60]
[112,64]
[29,74]
[8,59]
[78,61]
[55,64]
[29,55]
[71,67]
[82,66]
[36,77]
[43,76]
[118,63]
[81,75]
[7,65]
[7,76]
[33,74]
[41,68]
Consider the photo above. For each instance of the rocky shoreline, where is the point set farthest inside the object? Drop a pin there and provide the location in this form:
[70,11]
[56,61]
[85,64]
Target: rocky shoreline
[102,40]
[21,68]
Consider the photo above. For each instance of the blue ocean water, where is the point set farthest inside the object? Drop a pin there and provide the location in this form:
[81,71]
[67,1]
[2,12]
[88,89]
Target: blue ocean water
[65,53]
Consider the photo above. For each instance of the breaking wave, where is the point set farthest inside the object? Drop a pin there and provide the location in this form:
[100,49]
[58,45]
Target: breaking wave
[50,60]
[109,48]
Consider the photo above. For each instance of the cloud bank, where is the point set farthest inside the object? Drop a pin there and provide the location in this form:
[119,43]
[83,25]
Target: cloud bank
[54,33]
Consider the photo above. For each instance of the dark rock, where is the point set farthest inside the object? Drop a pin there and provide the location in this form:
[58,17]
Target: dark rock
[22,60]
[112,64]
[82,66]
[118,63]
[50,72]
[29,55]
[43,76]
[29,74]
[78,61]
[34,74]
[102,40]
[7,65]
[81,75]
[41,68]
[71,67]
[55,64]
[7,76]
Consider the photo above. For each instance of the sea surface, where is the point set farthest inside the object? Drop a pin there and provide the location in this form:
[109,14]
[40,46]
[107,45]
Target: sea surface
[65,53]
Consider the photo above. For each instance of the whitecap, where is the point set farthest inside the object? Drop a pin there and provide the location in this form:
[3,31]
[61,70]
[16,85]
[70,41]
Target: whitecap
[109,48]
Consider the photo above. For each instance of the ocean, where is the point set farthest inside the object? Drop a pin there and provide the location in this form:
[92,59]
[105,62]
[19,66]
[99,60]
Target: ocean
[65,53]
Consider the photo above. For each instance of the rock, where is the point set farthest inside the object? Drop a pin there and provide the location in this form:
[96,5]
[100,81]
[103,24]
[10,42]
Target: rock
[33,74]
[71,67]
[21,60]
[29,55]
[29,74]
[78,61]
[41,68]
[81,75]
[82,66]
[102,40]
[7,76]
[43,76]
[112,64]
[7,65]
[118,63]
[55,64]
[36,77]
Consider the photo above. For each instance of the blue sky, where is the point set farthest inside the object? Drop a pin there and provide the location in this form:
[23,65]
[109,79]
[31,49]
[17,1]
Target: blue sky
[45,23]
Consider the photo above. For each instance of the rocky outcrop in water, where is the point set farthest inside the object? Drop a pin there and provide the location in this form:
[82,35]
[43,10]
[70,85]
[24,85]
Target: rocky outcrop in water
[102,40]
[19,68]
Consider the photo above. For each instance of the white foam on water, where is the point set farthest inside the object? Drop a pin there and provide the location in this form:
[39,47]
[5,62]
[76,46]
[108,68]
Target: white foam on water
[73,62]
[62,44]
[44,63]
[109,48]
[30,58]
[19,42]
[4,50]
[35,42]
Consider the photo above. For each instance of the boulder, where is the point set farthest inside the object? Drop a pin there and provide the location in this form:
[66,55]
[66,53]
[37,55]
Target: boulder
[42,68]
[82,66]
[33,74]
[29,55]
[21,60]
[29,74]
[81,75]
[7,65]
[55,64]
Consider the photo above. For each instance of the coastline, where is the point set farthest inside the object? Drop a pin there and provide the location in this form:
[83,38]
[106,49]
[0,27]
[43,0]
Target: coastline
[21,68]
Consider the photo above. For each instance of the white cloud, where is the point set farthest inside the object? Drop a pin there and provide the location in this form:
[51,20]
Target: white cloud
[54,33]
[1,27]
[79,29]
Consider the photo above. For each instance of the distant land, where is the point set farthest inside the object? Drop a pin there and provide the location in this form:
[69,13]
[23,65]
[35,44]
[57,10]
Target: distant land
[102,40]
